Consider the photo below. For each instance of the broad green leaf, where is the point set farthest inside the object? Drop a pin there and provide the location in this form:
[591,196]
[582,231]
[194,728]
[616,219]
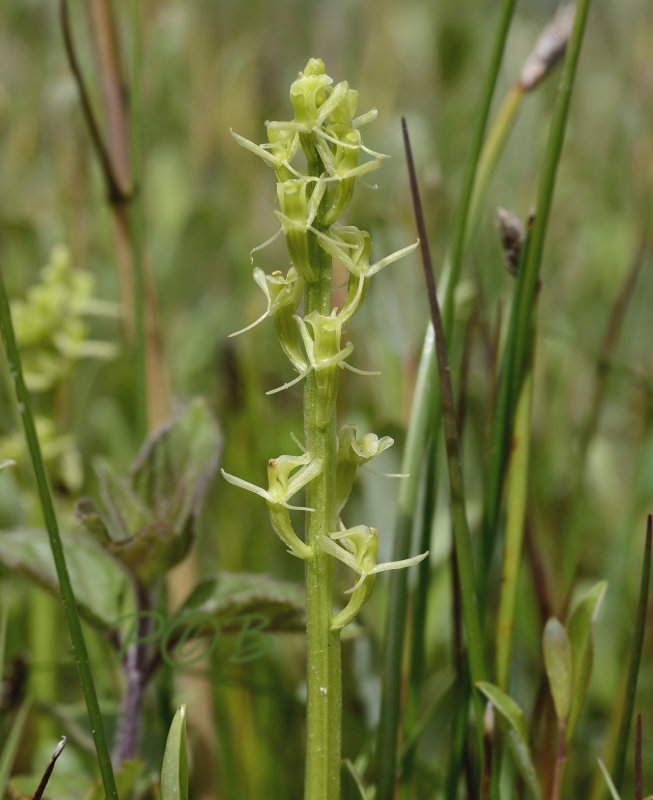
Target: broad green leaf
[580,630]
[147,519]
[557,661]
[229,596]
[517,734]
[174,770]
[100,584]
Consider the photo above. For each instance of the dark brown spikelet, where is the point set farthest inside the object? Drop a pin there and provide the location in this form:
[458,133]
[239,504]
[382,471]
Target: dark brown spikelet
[512,238]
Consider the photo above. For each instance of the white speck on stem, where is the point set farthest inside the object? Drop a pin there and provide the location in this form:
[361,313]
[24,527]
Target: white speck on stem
[21,407]
[323,690]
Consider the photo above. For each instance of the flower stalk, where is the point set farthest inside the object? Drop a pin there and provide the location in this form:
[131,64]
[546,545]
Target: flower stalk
[310,202]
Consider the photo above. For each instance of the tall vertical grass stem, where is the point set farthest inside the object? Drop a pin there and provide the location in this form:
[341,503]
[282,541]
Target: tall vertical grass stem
[519,332]
[136,160]
[515,521]
[80,653]
[635,659]
[417,434]
[464,554]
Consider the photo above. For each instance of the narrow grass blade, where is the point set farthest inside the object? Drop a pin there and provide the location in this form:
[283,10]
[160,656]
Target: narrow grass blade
[10,746]
[67,596]
[635,658]
[574,506]
[174,770]
[416,663]
[521,319]
[422,410]
[358,790]
[4,614]
[464,554]
[138,224]
[517,734]
[611,787]
[580,629]
[515,526]
[638,759]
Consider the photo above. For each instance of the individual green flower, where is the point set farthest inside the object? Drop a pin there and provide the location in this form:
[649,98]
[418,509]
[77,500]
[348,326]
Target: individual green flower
[284,296]
[282,146]
[324,355]
[282,486]
[297,210]
[354,452]
[357,548]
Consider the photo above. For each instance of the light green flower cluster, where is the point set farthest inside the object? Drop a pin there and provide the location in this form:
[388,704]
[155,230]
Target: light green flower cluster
[50,322]
[326,130]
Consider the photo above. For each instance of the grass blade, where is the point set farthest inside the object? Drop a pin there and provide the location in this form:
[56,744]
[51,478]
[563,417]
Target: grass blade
[517,734]
[613,792]
[417,434]
[521,318]
[10,745]
[515,527]
[464,555]
[67,596]
[635,658]
[136,157]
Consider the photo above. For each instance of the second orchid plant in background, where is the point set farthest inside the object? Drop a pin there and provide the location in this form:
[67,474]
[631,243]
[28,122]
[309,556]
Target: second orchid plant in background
[311,200]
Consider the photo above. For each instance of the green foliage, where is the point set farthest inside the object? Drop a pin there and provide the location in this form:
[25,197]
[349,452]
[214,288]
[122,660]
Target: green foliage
[127,779]
[517,734]
[102,586]
[10,745]
[558,663]
[229,596]
[203,203]
[174,770]
[580,630]
[147,519]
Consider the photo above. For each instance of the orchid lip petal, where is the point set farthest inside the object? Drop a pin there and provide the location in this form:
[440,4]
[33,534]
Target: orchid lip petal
[359,371]
[285,386]
[250,326]
[264,244]
[242,484]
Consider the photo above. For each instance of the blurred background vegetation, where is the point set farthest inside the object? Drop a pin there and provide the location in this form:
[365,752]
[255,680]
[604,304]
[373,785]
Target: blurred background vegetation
[212,65]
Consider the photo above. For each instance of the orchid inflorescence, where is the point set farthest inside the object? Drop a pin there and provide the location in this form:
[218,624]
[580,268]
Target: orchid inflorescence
[311,201]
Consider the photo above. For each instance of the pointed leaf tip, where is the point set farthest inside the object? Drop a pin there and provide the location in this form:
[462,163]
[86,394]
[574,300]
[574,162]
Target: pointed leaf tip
[174,770]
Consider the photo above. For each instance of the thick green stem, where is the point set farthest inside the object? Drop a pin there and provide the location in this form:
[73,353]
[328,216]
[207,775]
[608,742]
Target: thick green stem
[324,698]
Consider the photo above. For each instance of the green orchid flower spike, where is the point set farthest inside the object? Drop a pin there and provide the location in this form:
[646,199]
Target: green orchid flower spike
[317,158]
